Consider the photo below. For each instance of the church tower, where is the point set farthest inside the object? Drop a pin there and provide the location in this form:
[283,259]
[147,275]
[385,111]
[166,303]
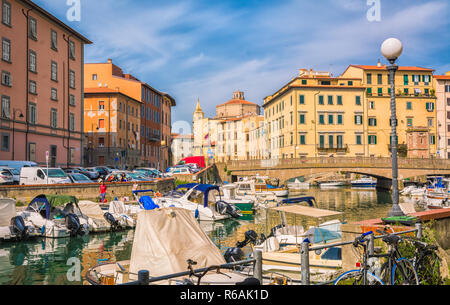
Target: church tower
[198,113]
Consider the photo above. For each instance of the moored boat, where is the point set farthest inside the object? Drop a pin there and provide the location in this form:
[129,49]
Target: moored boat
[364,182]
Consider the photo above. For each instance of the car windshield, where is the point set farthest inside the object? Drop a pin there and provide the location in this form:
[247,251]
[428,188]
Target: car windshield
[14,171]
[134,175]
[79,177]
[55,173]
[5,173]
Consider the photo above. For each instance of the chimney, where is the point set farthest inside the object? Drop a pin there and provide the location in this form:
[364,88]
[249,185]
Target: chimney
[378,63]
[109,61]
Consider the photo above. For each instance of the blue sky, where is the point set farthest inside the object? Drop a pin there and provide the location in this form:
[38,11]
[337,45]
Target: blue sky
[208,49]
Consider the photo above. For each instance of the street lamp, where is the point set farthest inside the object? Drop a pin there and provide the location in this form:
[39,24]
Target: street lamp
[391,49]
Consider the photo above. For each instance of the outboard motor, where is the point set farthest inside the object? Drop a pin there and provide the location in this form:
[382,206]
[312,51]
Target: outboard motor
[233,255]
[112,221]
[19,228]
[224,208]
[250,236]
[73,225]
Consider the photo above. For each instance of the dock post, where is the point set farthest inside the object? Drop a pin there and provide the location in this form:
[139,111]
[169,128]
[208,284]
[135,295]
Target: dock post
[304,252]
[418,226]
[257,268]
[371,245]
[143,277]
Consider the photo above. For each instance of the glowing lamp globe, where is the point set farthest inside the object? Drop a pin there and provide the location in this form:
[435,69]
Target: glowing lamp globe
[391,48]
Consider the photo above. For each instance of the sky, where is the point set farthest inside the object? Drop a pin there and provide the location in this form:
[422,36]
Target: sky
[206,50]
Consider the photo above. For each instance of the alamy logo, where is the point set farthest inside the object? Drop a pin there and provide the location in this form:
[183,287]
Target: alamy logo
[74,272]
[74,12]
[374,11]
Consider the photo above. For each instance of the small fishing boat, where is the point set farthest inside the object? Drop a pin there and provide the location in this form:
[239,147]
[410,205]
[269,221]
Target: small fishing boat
[245,189]
[185,244]
[437,194]
[364,181]
[266,184]
[201,200]
[55,216]
[297,185]
[13,227]
[245,205]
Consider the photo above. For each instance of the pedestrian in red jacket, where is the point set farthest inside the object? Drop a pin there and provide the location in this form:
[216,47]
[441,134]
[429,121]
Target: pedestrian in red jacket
[102,192]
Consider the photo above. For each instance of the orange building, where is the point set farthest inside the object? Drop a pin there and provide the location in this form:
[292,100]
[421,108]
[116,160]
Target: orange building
[111,127]
[41,87]
[155,109]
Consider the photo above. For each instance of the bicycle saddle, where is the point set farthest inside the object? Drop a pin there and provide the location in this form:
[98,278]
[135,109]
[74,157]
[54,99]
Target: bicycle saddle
[391,239]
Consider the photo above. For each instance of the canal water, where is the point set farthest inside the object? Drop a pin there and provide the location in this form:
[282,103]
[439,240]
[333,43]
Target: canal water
[55,261]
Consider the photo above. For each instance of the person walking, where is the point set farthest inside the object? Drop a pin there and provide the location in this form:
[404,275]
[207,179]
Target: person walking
[102,191]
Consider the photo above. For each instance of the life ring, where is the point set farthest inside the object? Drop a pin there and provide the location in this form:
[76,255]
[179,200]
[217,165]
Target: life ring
[158,194]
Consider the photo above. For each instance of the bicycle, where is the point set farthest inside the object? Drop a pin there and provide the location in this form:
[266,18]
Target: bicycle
[426,262]
[397,270]
[360,276]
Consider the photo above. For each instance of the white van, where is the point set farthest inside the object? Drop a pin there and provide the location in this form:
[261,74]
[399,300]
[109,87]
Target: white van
[38,175]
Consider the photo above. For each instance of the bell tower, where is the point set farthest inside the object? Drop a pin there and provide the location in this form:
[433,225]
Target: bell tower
[198,113]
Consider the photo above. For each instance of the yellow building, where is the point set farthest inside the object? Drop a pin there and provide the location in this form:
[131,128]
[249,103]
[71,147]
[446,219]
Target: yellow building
[316,114]
[416,109]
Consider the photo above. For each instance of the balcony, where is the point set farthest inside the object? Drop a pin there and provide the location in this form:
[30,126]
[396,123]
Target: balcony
[333,149]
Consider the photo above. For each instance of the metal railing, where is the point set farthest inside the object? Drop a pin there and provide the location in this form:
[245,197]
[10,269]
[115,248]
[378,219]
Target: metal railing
[145,279]
[373,162]
[305,249]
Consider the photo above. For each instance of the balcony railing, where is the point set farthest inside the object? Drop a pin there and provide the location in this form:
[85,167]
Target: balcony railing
[333,149]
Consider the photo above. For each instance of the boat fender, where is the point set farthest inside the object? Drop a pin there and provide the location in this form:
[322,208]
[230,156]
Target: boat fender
[196,213]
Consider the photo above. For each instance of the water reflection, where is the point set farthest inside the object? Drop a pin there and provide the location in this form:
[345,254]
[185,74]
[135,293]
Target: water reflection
[45,261]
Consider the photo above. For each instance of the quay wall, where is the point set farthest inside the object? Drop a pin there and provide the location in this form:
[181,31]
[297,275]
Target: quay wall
[83,191]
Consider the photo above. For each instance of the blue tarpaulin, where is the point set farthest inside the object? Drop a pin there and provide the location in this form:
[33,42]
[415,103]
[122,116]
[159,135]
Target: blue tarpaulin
[204,188]
[148,203]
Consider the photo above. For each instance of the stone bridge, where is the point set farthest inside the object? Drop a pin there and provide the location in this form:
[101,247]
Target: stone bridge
[380,168]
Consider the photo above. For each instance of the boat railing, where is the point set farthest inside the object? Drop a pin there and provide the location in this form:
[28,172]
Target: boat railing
[305,249]
[145,279]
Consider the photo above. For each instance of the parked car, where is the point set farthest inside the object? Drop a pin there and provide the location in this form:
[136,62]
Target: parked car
[6,177]
[116,176]
[92,174]
[14,172]
[148,172]
[179,170]
[17,165]
[103,171]
[79,178]
[194,167]
[38,175]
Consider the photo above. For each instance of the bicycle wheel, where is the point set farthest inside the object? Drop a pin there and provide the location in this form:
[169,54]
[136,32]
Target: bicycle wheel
[429,270]
[355,277]
[404,273]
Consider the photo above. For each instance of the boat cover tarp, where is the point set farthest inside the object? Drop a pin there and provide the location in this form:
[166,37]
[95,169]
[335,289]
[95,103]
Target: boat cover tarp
[91,209]
[52,201]
[166,238]
[306,211]
[7,211]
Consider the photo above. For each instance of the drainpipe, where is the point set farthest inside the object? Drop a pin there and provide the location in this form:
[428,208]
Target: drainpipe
[68,98]
[27,116]
[315,125]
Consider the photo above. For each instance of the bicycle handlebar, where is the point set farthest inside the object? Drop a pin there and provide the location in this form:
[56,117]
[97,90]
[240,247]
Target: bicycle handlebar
[359,240]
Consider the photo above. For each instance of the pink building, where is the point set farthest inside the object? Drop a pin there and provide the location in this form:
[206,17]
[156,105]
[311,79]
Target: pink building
[442,85]
[41,86]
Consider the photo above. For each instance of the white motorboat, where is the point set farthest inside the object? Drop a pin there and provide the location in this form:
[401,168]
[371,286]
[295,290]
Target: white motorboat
[201,200]
[364,182]
[55,216]
[167,241]
[437,194]
[246,189]
[331,184]
[12,226]
[281,247]
[101,221]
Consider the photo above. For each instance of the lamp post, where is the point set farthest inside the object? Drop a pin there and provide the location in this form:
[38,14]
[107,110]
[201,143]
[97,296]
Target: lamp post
[13,129]
[391,49]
